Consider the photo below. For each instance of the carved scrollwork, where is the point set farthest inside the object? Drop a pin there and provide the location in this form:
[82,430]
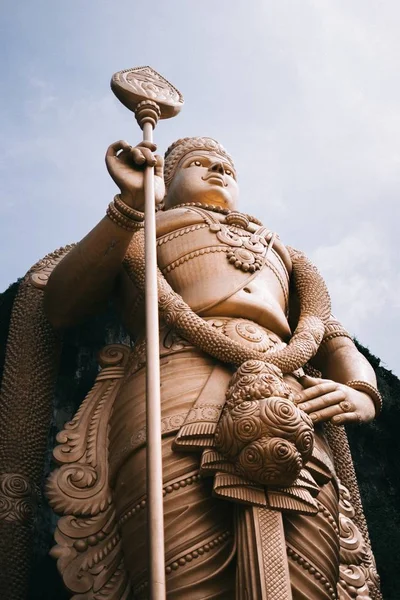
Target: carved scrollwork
[147,82]
[88,550]
[90,557]
[174,342]
[357,565]
[352,583]
[40,272]
[353,549]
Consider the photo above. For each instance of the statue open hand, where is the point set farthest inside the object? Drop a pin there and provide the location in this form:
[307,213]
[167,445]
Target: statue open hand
[126,165]
[326,400]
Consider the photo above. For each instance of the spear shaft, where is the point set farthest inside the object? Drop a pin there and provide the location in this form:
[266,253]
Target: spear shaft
[151,97]
[155,513]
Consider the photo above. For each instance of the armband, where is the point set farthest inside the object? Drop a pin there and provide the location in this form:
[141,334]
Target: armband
[334,329]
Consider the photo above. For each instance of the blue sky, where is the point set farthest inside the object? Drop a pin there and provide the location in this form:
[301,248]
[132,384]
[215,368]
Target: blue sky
[304,95]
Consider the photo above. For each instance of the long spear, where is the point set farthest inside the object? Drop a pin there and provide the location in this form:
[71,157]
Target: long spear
[151,97]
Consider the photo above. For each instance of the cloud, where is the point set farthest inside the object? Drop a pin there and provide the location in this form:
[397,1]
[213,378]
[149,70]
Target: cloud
[360,270]
[306,97]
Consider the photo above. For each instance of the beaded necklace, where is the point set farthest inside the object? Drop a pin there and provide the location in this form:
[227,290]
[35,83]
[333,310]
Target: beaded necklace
[217,209]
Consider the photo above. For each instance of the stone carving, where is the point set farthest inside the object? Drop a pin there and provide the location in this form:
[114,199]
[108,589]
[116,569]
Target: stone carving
[144,83]
[16,498]
[249,468]
[26,409]
[41,271]
[357,565]
[303,344]
[88,549]
[158,88]
[261,431]
[250,431]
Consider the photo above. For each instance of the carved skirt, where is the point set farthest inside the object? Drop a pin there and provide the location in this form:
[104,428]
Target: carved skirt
[200,542]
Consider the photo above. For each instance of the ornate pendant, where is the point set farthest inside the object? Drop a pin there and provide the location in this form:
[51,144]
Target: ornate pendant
[248,250]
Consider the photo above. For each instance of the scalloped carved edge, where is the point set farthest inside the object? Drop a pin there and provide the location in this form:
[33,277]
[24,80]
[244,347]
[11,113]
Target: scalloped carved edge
[153,74]
[88,545]
[40,272]
[357,570]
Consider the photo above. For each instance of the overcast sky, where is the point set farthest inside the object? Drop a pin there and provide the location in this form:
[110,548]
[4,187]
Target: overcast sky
[304,95]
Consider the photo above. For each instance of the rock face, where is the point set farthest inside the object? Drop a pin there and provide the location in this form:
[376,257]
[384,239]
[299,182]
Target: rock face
[375,448]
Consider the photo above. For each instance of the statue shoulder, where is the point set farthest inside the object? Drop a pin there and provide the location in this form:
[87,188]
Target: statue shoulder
[170,220]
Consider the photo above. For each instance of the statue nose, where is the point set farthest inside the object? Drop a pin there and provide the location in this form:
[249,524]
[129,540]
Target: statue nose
[217,167]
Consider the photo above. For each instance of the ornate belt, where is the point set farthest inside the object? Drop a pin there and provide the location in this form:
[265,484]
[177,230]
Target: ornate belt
[247,333]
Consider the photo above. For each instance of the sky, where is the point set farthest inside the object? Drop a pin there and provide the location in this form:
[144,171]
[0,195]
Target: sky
[304,95]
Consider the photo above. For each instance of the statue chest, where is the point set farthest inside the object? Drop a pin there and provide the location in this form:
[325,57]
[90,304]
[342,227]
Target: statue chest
[208,261]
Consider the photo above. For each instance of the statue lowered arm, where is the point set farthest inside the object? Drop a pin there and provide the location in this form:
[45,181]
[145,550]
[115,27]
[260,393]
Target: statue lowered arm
[348,392]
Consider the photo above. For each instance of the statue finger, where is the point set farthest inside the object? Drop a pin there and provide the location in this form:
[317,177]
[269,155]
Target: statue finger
[329,399]
[344,418]
[114,148]
[137,156]
[316,390]
[307,381]
[149,157]
[112,154]
[159,168]
[326,414]
[146,144]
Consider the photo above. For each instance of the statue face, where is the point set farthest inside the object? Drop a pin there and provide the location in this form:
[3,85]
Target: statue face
[205,177]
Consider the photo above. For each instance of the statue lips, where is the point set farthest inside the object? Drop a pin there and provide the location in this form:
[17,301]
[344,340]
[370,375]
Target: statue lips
[216,179]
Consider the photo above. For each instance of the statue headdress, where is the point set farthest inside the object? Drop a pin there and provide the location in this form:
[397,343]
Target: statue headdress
[183,146]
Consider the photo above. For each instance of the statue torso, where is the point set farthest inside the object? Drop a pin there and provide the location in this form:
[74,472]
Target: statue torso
[224,266]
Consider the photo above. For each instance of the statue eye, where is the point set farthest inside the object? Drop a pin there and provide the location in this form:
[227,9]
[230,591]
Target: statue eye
[195,163]
[228,172]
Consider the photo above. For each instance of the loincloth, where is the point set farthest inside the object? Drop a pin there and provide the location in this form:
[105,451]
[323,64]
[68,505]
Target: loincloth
[199,529]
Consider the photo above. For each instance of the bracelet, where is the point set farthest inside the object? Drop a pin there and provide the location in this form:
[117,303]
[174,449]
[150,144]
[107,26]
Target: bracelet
[128,211]
[121,220]
[368,388]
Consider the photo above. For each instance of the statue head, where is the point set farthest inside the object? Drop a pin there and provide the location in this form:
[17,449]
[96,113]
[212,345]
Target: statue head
[199,170]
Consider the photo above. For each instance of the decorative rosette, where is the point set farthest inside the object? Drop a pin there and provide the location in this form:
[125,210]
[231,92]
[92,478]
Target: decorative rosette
[261,431]
[271,461]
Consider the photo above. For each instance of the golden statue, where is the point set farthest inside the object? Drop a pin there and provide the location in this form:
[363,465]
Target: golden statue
[238,278]
[257,377]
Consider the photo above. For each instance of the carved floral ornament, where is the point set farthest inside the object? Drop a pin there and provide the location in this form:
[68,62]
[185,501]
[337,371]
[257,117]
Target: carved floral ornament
[248,251]
[88,550]
[146,81]
[244,250]
[143,85]
[17,498]
[261,431]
